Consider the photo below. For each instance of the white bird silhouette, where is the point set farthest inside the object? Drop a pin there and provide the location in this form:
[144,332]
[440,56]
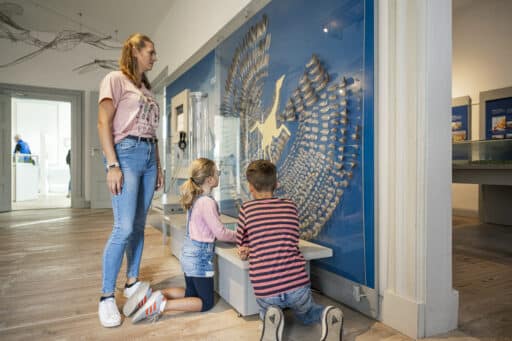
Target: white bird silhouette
[268,128]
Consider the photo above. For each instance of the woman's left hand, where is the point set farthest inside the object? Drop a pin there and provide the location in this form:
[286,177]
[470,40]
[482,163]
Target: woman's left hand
[159,179]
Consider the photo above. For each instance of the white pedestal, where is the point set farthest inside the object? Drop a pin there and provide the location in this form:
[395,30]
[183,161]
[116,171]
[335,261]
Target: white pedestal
[26,180]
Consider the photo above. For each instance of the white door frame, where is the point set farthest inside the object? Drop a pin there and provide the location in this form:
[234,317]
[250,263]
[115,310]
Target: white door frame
[5,156]
[414,166]
[76,98]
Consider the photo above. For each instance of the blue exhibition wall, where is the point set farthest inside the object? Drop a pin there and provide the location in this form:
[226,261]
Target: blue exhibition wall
[296,87]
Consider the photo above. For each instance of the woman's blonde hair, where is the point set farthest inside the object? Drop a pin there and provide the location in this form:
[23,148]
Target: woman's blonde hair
[128,63]
[200,170]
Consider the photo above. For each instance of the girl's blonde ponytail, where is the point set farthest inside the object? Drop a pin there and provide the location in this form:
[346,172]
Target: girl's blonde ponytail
[200,170]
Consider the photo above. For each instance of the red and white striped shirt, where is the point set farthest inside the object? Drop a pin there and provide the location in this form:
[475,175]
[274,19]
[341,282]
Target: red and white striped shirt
[270,228]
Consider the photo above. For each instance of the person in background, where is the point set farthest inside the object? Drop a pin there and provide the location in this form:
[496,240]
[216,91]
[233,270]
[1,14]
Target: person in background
[128,118]
[22,147]
[268,235]
[68,162]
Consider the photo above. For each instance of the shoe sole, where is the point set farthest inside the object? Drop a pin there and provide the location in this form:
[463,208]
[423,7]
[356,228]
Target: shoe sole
[110,325]
[135,300]
[335,333]
[269,333]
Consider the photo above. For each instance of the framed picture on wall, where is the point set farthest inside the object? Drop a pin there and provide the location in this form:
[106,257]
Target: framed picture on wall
[496,114]
[461,119]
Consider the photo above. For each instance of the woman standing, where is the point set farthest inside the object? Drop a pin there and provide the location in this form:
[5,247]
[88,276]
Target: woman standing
[128,118]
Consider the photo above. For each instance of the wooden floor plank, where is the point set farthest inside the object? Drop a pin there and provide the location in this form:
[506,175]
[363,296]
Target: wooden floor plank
[50,280]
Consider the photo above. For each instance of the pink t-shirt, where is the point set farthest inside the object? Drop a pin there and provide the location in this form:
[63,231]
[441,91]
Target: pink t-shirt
[137,111]
[205,224]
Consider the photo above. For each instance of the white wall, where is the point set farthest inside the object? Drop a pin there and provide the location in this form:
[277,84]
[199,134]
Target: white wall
[482,55]
[200,19]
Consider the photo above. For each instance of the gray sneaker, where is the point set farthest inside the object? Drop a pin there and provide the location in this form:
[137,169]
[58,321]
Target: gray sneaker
[137,299]
[152,309]
[332,324]
[273,324]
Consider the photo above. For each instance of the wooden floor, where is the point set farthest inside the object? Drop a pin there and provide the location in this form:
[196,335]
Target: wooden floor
[482,263]
[50,279]
[49,201]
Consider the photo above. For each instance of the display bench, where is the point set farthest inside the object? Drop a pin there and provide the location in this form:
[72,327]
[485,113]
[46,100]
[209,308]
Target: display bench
[486,162]
[25,176]
[232,276]
[489,164]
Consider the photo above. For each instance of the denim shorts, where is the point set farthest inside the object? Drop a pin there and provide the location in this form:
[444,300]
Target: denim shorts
[299,300]
[197,258]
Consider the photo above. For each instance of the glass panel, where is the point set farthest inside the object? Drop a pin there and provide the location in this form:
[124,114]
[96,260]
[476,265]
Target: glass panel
[294,84]
[483,152]
[296,79]
[199,140]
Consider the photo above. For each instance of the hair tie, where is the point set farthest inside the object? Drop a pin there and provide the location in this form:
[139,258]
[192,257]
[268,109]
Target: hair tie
[191,179]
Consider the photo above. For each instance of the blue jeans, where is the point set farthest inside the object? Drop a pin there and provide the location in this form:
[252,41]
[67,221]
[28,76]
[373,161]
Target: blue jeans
[299,300]
[137,160]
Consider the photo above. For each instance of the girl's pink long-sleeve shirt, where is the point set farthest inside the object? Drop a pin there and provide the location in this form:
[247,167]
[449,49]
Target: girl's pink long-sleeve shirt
[205,224]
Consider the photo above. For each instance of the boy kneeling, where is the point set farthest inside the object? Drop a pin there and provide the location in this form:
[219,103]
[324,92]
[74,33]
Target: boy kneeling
[268,229]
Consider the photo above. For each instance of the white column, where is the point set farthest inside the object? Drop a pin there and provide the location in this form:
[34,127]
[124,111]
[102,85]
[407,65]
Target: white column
[414,166]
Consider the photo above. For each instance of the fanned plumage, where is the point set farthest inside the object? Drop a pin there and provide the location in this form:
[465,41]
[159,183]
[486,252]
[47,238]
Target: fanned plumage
[325,148]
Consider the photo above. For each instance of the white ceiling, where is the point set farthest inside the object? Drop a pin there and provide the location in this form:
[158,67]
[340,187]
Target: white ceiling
[102,17]
[68,62]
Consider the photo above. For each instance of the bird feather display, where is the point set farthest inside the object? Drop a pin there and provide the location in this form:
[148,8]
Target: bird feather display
[324,146]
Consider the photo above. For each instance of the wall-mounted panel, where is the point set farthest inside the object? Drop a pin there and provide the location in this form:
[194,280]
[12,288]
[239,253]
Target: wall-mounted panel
[295,85]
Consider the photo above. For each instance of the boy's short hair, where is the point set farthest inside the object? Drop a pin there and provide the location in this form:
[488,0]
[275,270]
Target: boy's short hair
[262,175]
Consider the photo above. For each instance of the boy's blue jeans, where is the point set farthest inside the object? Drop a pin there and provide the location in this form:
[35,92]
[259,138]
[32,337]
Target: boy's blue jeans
[299,300]
[138,164]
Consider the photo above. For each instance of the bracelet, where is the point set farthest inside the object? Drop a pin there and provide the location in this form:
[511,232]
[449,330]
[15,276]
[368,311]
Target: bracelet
[113,165]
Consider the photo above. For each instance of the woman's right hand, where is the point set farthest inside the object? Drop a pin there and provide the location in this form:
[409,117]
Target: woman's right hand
[115,180]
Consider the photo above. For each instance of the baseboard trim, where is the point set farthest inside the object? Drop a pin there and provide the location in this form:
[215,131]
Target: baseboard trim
[402,314]
[343,290]
[464,212]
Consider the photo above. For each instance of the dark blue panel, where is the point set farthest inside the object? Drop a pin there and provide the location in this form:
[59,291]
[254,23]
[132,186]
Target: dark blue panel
[368,146]
[498,119]
[460,123]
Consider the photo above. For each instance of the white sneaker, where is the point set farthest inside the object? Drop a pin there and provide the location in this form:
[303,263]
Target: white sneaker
[128,292]
[108,313]
[332,324]
[153,307]
[137,299]
[273,324]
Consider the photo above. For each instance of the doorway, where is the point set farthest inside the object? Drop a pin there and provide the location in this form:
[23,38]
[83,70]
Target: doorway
[73,139]
[42,178]
[482,261]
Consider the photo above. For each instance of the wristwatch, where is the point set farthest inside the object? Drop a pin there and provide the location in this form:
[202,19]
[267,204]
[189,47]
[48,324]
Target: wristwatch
[112,165]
